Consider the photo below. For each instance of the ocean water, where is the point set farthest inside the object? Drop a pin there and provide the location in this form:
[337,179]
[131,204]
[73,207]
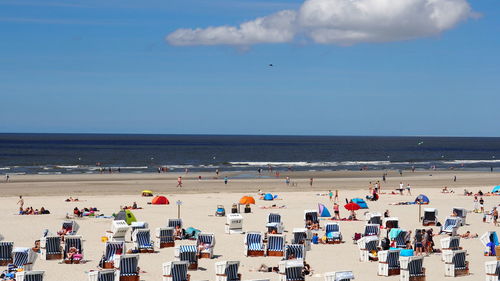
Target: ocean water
[79,153]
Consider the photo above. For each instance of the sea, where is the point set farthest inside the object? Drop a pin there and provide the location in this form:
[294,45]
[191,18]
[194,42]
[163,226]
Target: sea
[90,153]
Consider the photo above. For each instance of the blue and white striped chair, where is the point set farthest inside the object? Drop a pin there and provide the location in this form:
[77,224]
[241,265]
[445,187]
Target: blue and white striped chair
[374,218]
[142,240]
[291,270]
[174,223]
[310,215]
[450,243]
[137,225]
[110,250]
[165,237]
[274,223]
[371,230]
[188,253]
[492,270]
[227,271]
[302,236]
[388,263]
[175,271]
[430,217]
[23,258]
[50,248]
[450,226]
[30,275]
[71,226]
[102,275]
[69,242]
[455,263]
[368,245]
[400,239]
[275,245]
[6,252]
[127,267]
[412,268]
[332,232]
[206,243]
[339,276]
[254,246]
[390,222]
[295,251]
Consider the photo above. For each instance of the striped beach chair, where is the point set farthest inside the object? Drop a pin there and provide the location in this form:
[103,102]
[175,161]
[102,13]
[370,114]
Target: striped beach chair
[6,252]
[23,258]
[430,217]
[174,223]
[127,267]
[388,263]
[368,248]
[492,270]
[302,236]
[455,263]
[275,245]
[371,230]
[110,250]
[137,225]
[142,240]
[374,218]
[450,226]
[119,229]
[390,222]
[451,243]
[462,214]
[339,276]
[70,226]
[101,275]
[206,244]
[274,223]
[30,275]
[332,233]
[165,237]
[310,215]
[188,253]
[400,239]
[50,248]
[295,251]
[254,246]
[175,271]
[227,271]
[291,270]
[412,268]
[75,241]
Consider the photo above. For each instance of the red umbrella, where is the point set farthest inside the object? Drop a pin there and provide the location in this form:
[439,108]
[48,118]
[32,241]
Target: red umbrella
[352,206]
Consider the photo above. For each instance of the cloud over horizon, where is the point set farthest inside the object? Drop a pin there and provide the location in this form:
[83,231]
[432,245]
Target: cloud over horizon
[339,22]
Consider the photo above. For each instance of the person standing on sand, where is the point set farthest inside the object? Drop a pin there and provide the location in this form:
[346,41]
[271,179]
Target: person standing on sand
[336,199]
[21,201]
[179,182]
[311,182]
[408,189]
[481,204]
[225,180]
[7,177]
[336,210]
[495,216]
[217,172]
[287,181]
[330,194]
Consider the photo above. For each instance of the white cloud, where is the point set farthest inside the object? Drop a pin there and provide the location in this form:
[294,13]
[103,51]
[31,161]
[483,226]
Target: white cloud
[342,22]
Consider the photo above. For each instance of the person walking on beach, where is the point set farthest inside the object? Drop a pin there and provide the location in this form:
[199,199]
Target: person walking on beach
[330,194]
[311,182]
[481,204]
[21,202]
[370,188]
[476,205]
[408,189]
[287,181]
[7,177]
[336,210]
[217,172]
[401,188]
[336,199]
[179,182]
[495,216]
[225,180]
[455,178]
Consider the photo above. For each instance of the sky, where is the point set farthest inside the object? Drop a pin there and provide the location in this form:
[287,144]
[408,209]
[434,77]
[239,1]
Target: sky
[339,67]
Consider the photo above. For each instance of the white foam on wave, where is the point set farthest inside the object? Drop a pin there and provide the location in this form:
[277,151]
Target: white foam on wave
[471,161]
[4,168]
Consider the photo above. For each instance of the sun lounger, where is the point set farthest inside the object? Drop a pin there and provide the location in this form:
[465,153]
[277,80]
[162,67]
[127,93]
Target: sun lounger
[455,263]
[371,230]
[234,224]
[368,248]
[50,248]
[206,241]
[30,275]
[142,240]
[227,271]
[450,226]
[492,269]
[374,218]
[412,268]
[302,236]
[110,250]
[165,237]
[333,234]
[176,271]
[339,276]
[102,275]
[462,214]
[187,253]
[295,251]
[253,244]
[6,252]
[70,226]
[291,270]
[275,245]
[390,222]
[23,258]
[388,263]
[127,267]
[118,231]
[430,217]
[76,242]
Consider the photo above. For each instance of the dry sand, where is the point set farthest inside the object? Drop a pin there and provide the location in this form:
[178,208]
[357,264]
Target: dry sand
[200,198]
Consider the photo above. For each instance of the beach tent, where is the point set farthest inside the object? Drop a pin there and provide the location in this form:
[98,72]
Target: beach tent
[147,193]
[323,211]
[360,202]
[247,200]
[422,199]
[496,189]
[268,197]
[160,200]
[126,215]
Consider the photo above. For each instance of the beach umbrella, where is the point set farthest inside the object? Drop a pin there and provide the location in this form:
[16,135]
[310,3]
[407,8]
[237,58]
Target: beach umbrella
[160,200]
[247,200]
[496,189]
[422,199]
[352,206]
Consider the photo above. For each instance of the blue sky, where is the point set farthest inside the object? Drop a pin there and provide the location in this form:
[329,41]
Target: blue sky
[105,67]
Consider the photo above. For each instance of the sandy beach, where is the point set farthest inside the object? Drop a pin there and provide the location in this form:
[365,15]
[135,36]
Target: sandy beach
[108,192]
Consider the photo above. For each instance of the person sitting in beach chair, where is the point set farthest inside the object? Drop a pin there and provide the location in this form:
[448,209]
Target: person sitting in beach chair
[179,233]
[311,219]
[176,271]
[227,271]
[205,244]
[274,223]
[368,248]
[6,252]
[73,249]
